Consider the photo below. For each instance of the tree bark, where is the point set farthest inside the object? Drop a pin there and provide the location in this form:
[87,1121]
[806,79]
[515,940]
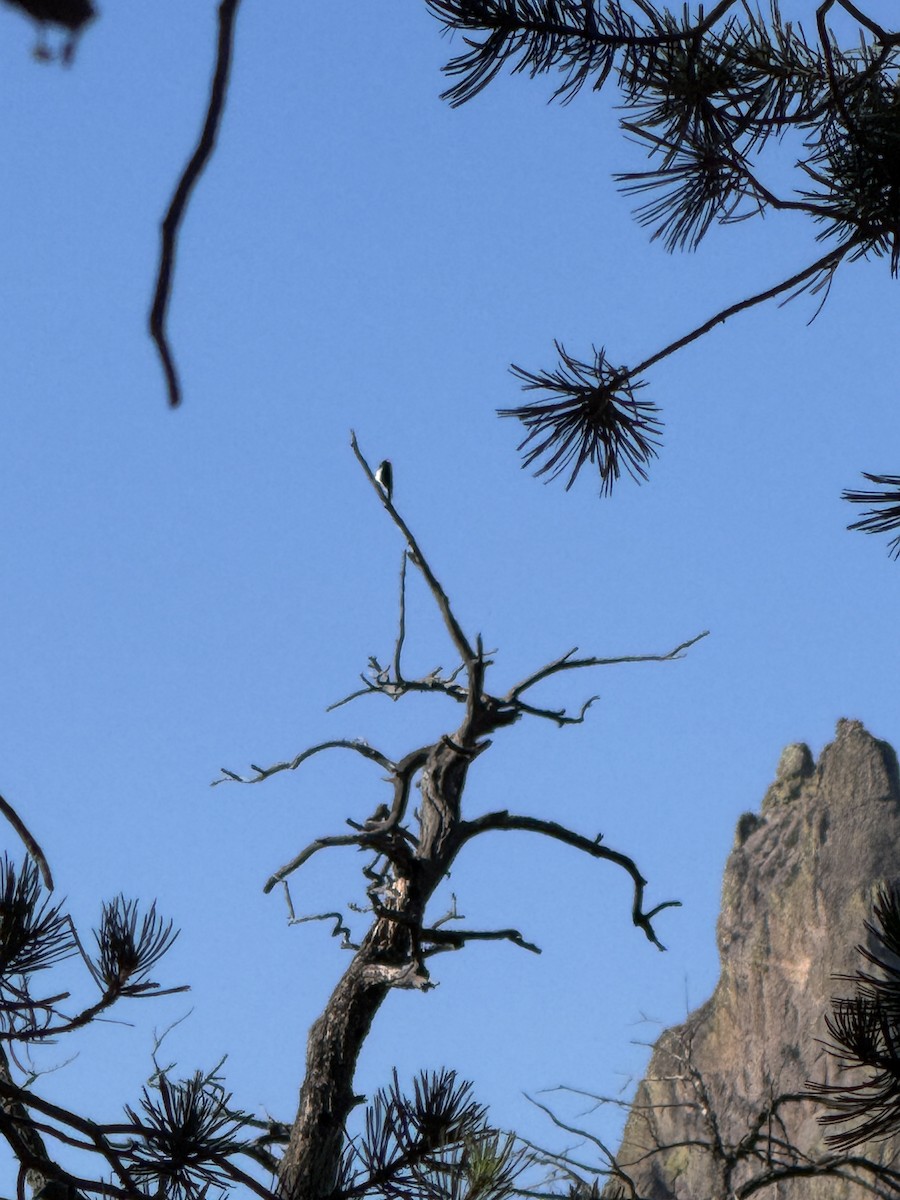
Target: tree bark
[389,956]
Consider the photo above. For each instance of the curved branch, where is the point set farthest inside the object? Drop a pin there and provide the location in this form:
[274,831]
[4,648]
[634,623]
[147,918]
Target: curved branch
[30,842]
[262,773]
[322,843]
[505,821]
[403,772]
[558,715]
[196,164]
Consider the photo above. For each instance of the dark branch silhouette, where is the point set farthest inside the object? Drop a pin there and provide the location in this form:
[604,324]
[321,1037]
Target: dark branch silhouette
[194,168]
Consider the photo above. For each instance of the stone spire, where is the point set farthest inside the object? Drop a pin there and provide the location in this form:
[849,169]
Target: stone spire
[798,887]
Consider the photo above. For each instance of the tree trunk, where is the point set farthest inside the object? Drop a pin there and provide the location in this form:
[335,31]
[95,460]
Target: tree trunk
[388,957]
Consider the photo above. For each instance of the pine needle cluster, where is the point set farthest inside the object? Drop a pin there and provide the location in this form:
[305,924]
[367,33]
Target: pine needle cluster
[706,93]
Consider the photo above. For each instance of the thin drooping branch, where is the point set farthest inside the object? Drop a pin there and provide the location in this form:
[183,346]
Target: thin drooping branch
[194,168]
[559,716]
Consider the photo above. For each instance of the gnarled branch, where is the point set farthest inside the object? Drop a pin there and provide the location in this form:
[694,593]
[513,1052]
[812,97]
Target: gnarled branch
[504,821]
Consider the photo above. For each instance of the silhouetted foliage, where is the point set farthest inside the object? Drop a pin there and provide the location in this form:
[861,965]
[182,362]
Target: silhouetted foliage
[435,1145]
[706,93]
[884,515]
[865,1037]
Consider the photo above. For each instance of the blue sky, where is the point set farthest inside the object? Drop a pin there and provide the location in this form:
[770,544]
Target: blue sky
[189,590]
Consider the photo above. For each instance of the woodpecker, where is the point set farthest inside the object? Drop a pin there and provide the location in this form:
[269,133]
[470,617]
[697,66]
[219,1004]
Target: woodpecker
[384,477]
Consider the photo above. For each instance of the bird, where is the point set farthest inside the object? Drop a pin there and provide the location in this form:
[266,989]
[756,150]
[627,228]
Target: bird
[384,477]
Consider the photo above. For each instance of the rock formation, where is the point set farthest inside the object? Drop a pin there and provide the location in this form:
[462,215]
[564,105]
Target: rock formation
[797,891]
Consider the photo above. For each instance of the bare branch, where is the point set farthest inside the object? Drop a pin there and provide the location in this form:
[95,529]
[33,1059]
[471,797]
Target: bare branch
[460,640]
[583,1133]
[567,663]
[262,773]
[193,170]
[322,843]
[505,821]
[559,716]
[455,939]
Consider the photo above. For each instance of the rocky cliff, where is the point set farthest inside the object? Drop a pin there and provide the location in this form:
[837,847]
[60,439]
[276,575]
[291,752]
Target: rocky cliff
[798,887]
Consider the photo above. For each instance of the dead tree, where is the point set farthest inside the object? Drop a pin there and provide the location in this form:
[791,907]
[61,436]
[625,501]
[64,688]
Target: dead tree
[411,853]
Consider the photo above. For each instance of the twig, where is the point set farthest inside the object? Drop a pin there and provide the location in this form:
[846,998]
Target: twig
[322,843]
[193,170]
[401,626]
